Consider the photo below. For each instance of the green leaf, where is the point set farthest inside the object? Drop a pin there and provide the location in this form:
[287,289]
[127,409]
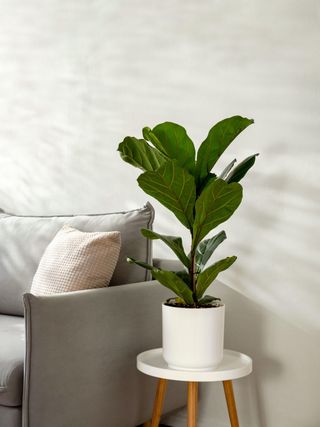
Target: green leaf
[150,136]
[218,139]
[208,299]
[140,264]
[170,280]
[175,301]
[173,187]
[173,282]
[209,274]
[185,276]
[206,248]
[216,204]
[174,243]
[240,171]
[140,154]
[205,182]
[225,171]
[172,140]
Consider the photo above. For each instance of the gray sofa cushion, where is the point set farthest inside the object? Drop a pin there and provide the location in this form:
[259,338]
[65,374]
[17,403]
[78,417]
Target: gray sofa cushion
[23,240]
[10,416]
[11,359]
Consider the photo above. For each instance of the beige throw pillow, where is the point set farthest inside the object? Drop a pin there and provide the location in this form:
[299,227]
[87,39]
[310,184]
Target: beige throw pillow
[77,260]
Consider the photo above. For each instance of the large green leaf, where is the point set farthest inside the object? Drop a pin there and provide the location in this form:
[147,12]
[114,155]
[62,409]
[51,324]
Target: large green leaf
[205,182]
[185,276]
[174,243]
[170,280]
[240,171]
[218,139]
[139,153]
[209,274]
[206,248]
[174,187]
[216,204]
[150,136]
[172,140]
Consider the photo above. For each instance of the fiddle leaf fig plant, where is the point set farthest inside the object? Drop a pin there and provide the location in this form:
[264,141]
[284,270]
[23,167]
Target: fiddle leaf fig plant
[183,181]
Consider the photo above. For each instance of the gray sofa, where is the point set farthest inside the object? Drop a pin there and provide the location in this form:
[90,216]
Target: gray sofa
[68,360]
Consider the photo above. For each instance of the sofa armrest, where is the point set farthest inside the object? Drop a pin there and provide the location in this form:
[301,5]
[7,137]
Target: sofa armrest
[81,352]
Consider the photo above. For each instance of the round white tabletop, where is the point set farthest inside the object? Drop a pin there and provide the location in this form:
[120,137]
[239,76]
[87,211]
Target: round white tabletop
[234,365]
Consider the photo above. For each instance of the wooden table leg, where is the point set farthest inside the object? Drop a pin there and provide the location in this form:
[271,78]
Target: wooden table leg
[232,409]
[158,403]
[192,403]
[197,399]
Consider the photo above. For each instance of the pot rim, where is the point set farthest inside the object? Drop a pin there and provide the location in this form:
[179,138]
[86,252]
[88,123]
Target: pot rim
[164,304]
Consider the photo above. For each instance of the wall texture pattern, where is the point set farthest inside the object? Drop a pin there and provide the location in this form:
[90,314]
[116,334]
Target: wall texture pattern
[76,76]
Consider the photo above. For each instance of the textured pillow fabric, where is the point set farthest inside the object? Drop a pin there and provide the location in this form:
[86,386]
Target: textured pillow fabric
[23,240]
[76,260]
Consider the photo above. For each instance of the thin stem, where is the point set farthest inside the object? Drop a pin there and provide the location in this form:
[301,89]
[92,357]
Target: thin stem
[193,275]
[192,271]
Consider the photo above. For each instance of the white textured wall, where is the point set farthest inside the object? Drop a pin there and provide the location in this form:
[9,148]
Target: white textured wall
[76,76]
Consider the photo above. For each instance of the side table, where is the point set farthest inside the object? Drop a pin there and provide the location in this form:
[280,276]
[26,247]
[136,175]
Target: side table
[234,365]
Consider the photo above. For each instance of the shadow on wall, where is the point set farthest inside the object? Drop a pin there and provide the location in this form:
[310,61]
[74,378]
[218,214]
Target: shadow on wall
[278,385]
[245,332]
[276,232]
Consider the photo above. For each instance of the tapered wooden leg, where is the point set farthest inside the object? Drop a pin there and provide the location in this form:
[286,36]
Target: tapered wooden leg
[192,403]
[232,409]
[158,403]
[147,424]
[197,399]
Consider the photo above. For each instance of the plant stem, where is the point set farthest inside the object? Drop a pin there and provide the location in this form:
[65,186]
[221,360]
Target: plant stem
[193,274]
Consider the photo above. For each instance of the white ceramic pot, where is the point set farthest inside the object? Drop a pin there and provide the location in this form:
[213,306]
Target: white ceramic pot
[192,338]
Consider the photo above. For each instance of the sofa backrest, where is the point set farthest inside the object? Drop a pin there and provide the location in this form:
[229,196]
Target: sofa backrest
[23,240]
